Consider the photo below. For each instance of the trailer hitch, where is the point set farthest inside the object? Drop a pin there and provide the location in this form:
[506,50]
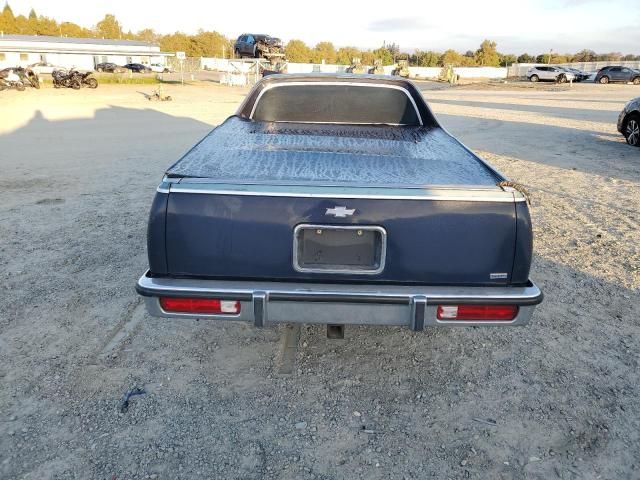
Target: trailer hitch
[335,332]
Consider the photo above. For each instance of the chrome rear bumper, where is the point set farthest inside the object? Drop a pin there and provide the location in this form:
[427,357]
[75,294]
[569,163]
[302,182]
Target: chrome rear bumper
[264,303]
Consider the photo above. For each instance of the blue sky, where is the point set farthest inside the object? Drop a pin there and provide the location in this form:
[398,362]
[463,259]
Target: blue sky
[516,25]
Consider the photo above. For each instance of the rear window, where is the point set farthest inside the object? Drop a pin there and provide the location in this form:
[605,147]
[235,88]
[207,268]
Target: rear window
[341,103]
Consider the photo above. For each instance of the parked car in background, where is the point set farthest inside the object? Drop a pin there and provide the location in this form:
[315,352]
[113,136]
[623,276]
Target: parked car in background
[549,73]
[258,46]
[159,68]
[580,76]
[137,68]
[629,122]
[43,68]
[618,74]
[375,215]
[110,68]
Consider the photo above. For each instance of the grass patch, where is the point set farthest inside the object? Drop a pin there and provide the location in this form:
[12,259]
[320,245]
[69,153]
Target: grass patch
[126,79]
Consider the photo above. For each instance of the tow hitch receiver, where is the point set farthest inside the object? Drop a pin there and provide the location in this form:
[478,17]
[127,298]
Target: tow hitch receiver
[335,332]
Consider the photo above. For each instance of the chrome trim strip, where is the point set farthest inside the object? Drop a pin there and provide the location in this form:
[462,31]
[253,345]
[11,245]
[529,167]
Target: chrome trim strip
[357,84]
[383,247]
[497,196]
[370,292]
[162,190]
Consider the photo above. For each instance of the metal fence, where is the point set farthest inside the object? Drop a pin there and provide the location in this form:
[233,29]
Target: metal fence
[247,66]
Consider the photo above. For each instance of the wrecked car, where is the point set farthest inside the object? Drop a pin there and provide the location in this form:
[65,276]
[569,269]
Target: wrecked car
[338,200]
[258,46]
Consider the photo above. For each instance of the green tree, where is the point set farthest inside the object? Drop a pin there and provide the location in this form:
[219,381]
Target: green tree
[613,56]
[367,57]
[585,55]
[297,51]
[324,51]
[525,58]
[21,25]
[210,44]
[450,57]
[383,54]
[426,59]
[507,59]
[108,27]
[393,48]
[69,29]
[487,54]
[345,55]
[543,58]
[7,20]
[33,15]
[176,42]
[46,26]
[559,58]
[467,61]
[147,35]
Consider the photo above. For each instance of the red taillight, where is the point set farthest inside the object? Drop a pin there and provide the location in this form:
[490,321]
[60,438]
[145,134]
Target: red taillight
[477,312]
[211,306]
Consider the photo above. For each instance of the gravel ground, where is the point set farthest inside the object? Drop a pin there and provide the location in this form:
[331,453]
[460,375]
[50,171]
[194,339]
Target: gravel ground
[556,399]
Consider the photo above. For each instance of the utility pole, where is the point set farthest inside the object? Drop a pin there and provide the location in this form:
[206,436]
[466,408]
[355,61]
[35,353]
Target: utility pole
[549,59]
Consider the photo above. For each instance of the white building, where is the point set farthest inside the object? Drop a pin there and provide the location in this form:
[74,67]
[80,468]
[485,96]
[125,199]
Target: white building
[81,53]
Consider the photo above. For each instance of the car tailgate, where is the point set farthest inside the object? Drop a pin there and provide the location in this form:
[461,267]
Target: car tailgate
[460,238]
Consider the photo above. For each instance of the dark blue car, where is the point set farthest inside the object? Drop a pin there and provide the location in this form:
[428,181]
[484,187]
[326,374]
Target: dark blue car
[338,200]
[618,74]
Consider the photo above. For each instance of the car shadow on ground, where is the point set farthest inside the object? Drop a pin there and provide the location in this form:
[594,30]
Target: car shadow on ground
[114,145]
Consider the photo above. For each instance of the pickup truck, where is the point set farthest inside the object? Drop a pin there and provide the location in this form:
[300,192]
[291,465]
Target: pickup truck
[338,200]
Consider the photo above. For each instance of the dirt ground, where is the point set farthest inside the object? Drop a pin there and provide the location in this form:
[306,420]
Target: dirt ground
[555,399]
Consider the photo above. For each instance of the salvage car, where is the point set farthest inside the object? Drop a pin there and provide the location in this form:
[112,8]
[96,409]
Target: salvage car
[579,74]
[629,122]
[338,199]
[258,46]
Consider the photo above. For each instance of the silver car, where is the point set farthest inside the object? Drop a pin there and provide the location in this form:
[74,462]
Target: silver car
[550,73]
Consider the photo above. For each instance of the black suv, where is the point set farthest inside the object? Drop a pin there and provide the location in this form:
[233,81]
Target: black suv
[618,74]
[257,45]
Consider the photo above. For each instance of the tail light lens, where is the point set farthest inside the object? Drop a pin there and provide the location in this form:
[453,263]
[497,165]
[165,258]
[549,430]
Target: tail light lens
[477,312]
[210,306]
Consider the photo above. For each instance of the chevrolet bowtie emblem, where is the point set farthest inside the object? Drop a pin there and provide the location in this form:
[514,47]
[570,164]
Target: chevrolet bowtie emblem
[340,212]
